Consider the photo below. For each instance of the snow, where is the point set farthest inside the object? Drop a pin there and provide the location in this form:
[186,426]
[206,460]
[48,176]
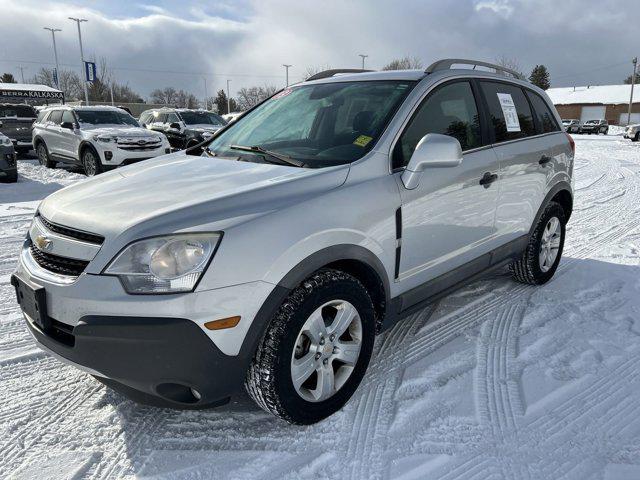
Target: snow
[27,86]
[601,94]
[498,380]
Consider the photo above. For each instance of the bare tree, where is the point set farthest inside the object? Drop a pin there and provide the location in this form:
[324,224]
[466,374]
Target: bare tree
[510,63]
[404,63]
[165,96]
[69,81]
[311,71]
[249,97]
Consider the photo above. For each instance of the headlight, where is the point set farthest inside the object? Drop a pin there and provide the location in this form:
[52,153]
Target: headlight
[105,139]
[6,141]
[169,264]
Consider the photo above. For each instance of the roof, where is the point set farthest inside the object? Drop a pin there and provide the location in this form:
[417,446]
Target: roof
[365,76]
[83,107]
[599,94]
[27,86]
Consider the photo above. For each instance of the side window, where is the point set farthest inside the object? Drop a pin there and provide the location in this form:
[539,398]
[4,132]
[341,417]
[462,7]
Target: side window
[56,117]
[546,119]
[161,118]
[144,118]
[172,118]
[449,110]
[67,116]
[509,111]
[41,116]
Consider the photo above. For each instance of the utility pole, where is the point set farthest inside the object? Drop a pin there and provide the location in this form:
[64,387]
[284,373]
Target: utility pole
[286,67]
[228,98]
[21,72]
[633,81]
[111,90]
[55,53]
[206,97]
[83,67]
[363,57]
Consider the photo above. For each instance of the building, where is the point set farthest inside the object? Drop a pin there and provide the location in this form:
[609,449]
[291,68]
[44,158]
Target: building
[610,102]
[29,93]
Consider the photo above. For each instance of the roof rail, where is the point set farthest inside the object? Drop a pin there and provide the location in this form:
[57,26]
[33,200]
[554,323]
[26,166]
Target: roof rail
[446,64]
[335,71]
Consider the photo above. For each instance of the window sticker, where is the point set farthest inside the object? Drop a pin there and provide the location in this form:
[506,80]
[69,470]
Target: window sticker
[283,93]
[509,112]
[362,141]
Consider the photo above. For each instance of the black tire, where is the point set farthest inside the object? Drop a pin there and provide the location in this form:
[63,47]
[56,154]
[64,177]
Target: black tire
[91,162]
[527,269]
[43,155]
[269,381]
[10,177]
[636,138]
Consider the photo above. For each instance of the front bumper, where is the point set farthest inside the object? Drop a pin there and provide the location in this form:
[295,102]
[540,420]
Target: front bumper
[118,157]
[23,145]
[153,348]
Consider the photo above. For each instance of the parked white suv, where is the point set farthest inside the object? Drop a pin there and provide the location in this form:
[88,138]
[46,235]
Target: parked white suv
[321,217]
[632,132]
[98,138]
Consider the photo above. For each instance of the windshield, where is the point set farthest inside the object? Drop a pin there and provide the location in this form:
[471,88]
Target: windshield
[319,125]
[105,117]
[201,118]
[20,111]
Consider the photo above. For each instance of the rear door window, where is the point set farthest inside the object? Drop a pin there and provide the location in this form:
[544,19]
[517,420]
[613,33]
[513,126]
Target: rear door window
[67,116]
[449,110]
[546,120]
[509,113]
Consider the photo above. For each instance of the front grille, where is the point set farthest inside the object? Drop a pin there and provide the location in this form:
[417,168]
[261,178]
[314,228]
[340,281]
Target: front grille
[137,147]
[70,232]
[57,264]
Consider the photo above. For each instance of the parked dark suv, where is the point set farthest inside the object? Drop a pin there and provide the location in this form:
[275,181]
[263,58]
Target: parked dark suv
[183,127]
[595,126]
[15,123]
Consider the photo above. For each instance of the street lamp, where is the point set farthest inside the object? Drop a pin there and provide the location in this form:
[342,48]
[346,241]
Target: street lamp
[363,57]
[82,71]
[55,53]
[287,69]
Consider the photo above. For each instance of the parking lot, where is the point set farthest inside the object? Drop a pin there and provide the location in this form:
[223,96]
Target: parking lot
[496,380]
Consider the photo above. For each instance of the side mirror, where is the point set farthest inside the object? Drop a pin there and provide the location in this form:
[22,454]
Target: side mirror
[433,151]
[67,125]
[174,126]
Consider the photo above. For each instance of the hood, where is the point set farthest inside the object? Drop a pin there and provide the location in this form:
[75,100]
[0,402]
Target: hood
[205,126]
[118,130]
[179,191]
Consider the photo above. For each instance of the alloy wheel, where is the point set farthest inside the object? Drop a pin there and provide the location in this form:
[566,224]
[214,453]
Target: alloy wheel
[326,350]
[550,244]
[90,166]
[42,155]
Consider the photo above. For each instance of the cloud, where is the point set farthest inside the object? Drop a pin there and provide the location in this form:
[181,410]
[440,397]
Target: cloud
[179,43]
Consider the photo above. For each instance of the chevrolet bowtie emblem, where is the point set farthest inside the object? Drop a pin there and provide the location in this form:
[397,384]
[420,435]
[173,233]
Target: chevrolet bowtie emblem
[43,243]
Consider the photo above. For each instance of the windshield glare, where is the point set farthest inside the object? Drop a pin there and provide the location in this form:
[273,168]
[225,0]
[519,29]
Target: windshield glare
[201,118]
[105,117]
[320,125]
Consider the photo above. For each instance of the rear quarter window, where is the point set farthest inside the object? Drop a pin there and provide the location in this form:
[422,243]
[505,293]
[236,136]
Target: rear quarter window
[546,120]
[497,94]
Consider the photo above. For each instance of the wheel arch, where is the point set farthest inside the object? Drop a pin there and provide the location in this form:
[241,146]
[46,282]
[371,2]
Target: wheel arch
[83,146]
[561,193]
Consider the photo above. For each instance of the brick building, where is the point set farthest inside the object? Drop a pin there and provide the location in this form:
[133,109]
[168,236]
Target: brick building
[610,102]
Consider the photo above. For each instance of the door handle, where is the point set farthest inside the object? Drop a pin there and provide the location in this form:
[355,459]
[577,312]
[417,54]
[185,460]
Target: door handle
[544,159]
[487,179]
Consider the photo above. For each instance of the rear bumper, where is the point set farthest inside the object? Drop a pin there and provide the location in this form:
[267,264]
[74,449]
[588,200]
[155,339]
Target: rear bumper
[159,361]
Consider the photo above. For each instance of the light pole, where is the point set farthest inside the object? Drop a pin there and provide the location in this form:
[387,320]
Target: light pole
[55,53]
[228,98]
[363,57]
[82,70]
[287,69]
[21,72]
[206,98]
[633,81]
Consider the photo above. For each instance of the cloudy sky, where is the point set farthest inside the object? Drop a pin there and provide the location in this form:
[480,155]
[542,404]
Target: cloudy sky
[178,43]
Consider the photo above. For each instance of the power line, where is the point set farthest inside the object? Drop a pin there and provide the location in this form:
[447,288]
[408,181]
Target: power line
[604,67]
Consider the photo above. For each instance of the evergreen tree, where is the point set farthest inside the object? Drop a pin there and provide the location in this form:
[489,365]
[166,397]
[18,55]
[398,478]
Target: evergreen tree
[7,78]
[540,77]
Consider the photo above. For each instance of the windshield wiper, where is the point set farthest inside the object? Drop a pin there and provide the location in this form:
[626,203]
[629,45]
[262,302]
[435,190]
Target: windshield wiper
[282,159]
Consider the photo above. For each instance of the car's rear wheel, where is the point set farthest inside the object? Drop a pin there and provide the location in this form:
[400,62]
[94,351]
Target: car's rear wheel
[636,138]
[91,162]
[43,156]
[544,250]
[316,349]
[10,177]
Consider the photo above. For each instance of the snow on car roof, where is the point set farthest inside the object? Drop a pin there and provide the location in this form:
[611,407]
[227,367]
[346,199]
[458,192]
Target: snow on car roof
[604,94]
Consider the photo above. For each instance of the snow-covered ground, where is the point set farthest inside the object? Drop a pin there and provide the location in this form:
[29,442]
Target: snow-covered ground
[498,380]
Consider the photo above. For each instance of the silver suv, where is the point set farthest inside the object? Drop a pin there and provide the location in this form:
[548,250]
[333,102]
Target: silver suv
[98,138]
[321,217]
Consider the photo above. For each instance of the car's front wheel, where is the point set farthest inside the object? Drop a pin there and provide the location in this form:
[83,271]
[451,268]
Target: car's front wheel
[316,349]
[636,138]
[43,156]
[91,162]
[542,255]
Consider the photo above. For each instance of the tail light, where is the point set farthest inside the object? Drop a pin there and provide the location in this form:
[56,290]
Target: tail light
[572,143]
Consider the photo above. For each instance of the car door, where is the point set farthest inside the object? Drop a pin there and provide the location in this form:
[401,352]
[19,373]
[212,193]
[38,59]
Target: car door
[158,122]
[174,135]
[523,153]
[448,220]
[69,137]
[53,137]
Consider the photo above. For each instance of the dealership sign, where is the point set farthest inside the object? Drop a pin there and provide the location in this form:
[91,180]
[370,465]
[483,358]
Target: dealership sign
[26,93]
